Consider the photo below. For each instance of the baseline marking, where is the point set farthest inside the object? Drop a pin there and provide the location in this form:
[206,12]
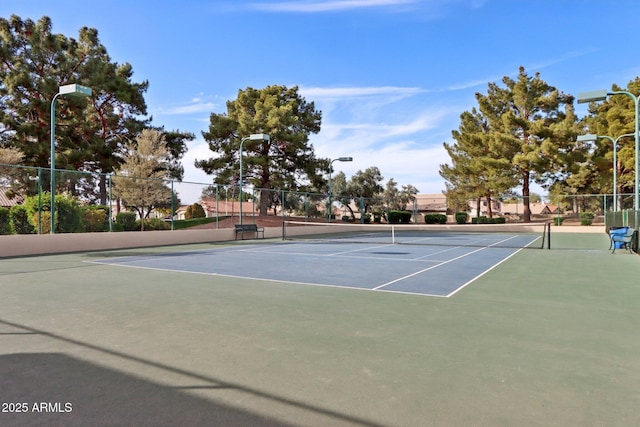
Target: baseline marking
[441,264]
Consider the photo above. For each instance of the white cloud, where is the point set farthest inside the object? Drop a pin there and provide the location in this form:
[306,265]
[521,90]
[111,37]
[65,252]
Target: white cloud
[195,180]
[323,93]
[388,127]
[328,6]
[196,106]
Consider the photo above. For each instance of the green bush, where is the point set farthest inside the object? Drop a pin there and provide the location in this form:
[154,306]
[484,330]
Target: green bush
[68,216]
[435,219]
[151,224]
[5,221]
[128,221]
[45,221]
[486,220]
[462,217]
[399,217]
[586,218]
[95,218]
[194,211]
[558,220]
[67,219]
[20,220]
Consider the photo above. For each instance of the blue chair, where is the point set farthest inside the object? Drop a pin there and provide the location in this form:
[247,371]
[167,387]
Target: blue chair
[619,231]
[626,240]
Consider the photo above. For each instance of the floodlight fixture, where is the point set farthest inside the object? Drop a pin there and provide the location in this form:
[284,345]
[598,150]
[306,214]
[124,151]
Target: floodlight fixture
[592,96]
[73,91]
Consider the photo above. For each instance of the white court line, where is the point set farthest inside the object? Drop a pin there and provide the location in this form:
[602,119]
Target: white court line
[481,274]
[438,265]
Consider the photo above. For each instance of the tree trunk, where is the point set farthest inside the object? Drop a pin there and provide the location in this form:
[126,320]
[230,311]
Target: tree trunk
[102,185]
[526,215]
[265,196]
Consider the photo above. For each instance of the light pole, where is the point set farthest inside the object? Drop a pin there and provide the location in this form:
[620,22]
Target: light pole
[592,138]
[339,159]
[601,95]
[252,137]
[74,91]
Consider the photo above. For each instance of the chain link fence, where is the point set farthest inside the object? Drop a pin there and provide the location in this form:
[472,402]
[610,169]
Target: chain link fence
[93,202]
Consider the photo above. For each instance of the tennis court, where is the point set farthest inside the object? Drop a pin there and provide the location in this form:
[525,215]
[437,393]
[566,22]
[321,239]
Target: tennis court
[541,337]
[426,263]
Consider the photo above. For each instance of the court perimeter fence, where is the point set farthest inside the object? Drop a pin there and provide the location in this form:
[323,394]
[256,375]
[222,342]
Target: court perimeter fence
[95,202]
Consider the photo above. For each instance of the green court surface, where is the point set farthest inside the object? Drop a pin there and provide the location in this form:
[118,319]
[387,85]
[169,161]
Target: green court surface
[548,337]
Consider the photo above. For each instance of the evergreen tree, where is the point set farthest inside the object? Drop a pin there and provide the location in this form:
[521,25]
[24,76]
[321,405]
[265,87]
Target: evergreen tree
[478,170]
[614,117]
[287,160]
[91,134]
[529,128]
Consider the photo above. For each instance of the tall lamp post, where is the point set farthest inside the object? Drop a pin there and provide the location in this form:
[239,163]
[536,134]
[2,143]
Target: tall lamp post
[252,137]
[592,138]
[74,91]
[339,159]
[601,95]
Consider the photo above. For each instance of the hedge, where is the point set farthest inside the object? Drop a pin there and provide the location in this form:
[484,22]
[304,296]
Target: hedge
[487,220]
[462,217]
[399,217]
[435,219]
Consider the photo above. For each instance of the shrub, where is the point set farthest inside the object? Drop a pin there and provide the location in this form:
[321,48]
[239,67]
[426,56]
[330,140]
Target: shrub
[586,218]
[399,217]
[20,220]
[5,221]
[152,224]
[558,220]
[194,211]
[95,218]
[45,221]
[68,218]
[462,217]
[127,220]
[435,219]
[486,220]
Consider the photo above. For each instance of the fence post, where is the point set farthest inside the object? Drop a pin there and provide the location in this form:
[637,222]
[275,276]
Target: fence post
[172,206]
[109,183]
[217,208]
[39,200]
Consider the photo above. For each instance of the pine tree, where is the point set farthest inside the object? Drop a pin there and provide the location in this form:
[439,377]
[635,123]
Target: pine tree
[287,160]
[529,128]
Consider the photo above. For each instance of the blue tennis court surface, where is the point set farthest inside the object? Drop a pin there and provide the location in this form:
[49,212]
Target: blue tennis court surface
[414,269]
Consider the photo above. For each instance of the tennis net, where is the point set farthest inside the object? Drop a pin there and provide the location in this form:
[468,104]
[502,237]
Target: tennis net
[535,236]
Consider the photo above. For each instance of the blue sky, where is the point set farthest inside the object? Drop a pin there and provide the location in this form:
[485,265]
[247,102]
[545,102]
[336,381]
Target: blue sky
[390,76]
